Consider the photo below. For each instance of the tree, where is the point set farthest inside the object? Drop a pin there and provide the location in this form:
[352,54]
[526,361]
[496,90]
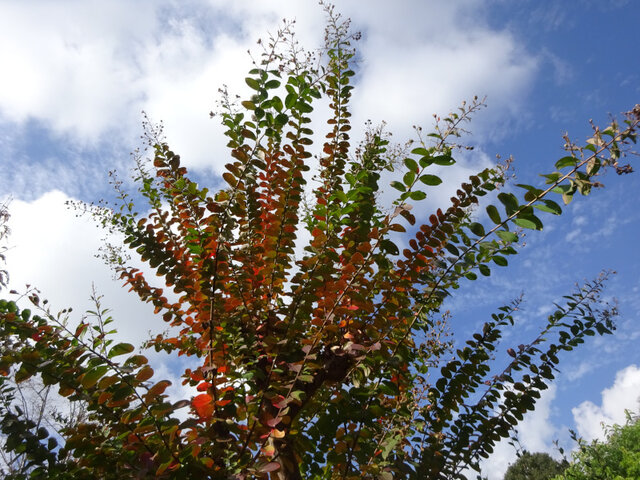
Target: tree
[617,458]
[332,363]
[534,466]
[4,232]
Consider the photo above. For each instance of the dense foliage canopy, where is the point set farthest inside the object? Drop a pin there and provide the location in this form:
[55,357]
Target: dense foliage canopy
[617,458]
[328,361]
[534,466]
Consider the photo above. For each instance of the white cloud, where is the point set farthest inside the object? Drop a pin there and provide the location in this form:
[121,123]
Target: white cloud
[623,395]
[52,250]
[578,371]
[87,69]
[72,64]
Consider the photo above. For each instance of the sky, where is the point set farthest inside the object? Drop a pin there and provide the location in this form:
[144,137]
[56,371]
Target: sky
[77,75]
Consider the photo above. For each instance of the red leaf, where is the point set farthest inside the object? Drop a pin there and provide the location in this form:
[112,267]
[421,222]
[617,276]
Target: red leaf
[203,387]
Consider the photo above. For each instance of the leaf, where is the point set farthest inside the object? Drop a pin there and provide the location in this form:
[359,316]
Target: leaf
[509,201]
[90,378]
[272,84]
[120,349]
[281,119]
[277,104]
[420,151]
[507,236]
[159,388]
[565,162]
[431,180]
[411,165]
[389,247]
[144,374]
[444,160]
[398,186]
[492,211]
[290,100]
[203,405]
[417,195]
[253,83]
[409,178]
[498,260]
[477,229]
[526,223]
[549,206]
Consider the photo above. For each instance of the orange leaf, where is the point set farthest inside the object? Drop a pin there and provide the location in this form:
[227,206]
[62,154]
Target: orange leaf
[203,405]
[145,374]
[159,388]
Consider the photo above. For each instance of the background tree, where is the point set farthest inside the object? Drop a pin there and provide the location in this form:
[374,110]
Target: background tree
[617,458]
[329,363]
[534,466]
[4,232]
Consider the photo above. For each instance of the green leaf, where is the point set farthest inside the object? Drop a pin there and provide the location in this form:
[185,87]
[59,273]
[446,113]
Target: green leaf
[431,180]
[120,349]
[452,249]
[477,229]
[276,103]
[526,223]
[501,261]
[420,151]
[304,107]
[492,211]
[509,201]
[271,84]
[281,119]
[507,236]
[484,270]
[409,178]
[290,100]
[411,164]
[389,247]
[398,186]
[444,160]
[418,195]
[425,161]
[253,83]
[549,206]
[565,162]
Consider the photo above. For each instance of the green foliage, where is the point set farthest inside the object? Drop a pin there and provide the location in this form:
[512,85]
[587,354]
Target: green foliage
[617,458]
[330,364]
[534,466]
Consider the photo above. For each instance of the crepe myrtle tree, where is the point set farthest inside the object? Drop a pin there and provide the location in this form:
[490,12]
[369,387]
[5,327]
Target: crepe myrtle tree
[330,363]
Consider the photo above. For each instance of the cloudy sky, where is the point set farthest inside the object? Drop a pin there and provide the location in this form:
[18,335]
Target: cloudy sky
[77,75]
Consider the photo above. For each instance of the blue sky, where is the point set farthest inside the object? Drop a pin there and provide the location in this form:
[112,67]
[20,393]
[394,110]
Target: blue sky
[76,76]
